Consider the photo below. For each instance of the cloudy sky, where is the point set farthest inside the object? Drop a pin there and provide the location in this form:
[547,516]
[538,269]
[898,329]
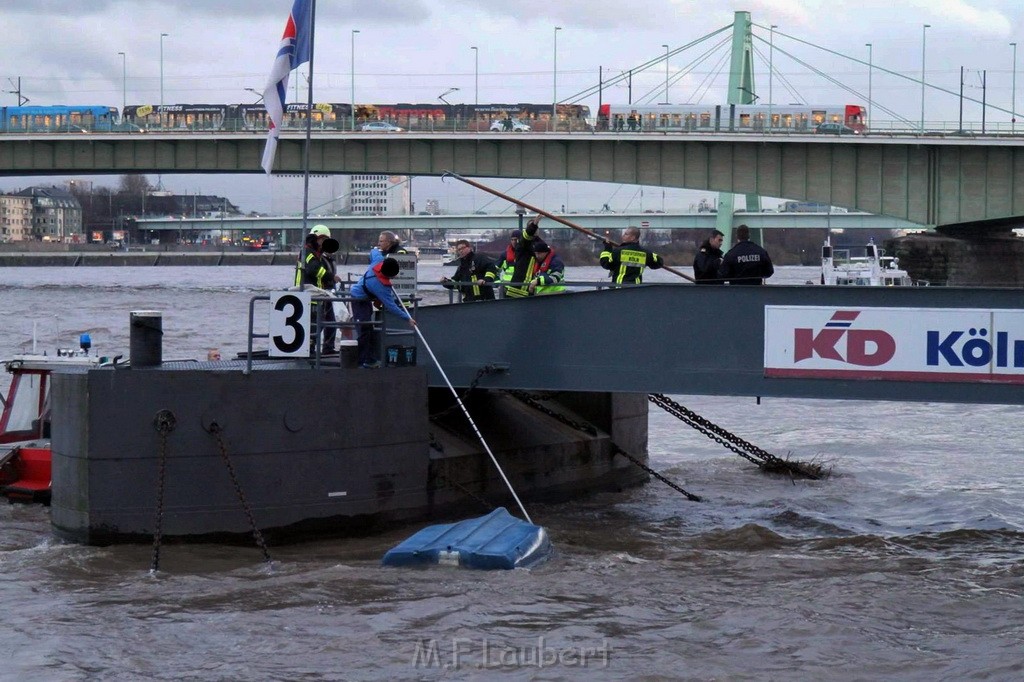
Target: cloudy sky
[414,50]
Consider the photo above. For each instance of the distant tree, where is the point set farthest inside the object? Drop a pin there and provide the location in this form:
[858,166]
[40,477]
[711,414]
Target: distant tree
[132,193]
[134,185]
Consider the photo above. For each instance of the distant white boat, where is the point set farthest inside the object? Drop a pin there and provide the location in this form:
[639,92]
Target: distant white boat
[839,268]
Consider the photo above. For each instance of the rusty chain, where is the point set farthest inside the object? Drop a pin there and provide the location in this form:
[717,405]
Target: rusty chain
[480,374]
[216,431]
[741,447]
[690,496]
[534,401]
[164,423]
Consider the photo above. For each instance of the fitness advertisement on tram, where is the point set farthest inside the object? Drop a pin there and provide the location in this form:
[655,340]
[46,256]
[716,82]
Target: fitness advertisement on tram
[899,344]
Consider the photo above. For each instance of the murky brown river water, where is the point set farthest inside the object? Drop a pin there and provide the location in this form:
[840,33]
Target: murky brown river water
[906,564]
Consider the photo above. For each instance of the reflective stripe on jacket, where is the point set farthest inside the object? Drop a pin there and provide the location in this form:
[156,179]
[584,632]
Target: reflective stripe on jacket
[628,261]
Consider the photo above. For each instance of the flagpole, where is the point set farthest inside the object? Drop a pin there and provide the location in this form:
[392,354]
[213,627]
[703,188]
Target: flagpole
[309,121]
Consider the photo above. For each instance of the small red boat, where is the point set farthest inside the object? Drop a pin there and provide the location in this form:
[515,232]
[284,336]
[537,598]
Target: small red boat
[25,421]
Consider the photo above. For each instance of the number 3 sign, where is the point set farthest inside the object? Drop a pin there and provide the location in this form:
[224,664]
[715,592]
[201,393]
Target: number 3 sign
[289,324]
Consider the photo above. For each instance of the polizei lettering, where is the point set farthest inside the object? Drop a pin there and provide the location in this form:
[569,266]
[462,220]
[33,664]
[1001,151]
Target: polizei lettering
[863,347]
[972,348]
[751,258]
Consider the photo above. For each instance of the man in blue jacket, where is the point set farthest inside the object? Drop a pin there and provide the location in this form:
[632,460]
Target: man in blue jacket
[374,288]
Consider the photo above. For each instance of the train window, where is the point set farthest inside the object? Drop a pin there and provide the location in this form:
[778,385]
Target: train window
[817,116]
[744,120]
[786,121]
[705,120]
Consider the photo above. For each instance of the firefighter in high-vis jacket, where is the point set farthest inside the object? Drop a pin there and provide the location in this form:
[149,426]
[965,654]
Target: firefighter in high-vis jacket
[538,270]
[628,260]
[316,267]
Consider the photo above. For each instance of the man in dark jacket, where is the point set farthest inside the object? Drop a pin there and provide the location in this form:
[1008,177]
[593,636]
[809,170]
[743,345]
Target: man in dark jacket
[708,259]
[627,261]
[475,276]
[747,262]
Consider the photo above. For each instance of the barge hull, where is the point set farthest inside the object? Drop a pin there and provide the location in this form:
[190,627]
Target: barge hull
[332,452]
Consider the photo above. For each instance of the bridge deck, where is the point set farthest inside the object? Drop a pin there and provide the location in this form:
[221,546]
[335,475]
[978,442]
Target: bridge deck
[711,341]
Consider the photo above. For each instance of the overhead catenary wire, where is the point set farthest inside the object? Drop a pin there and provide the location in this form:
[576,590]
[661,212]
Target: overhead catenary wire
[469,418]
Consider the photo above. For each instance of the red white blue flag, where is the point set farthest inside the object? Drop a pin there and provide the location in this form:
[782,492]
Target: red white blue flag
[293,53]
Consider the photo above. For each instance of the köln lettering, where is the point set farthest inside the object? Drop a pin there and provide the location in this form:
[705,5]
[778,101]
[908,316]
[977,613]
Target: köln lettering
[976,351]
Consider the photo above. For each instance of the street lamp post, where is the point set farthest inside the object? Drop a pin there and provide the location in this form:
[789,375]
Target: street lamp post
[1013,92]
[124,81]
[867,122]
[162,36]
[353,77]
[476,75]
[554,71]
[666,73]
[771,70]
[924,34]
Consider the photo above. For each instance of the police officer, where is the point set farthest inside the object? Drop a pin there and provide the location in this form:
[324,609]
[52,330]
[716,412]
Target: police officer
[746,263]
[627,261]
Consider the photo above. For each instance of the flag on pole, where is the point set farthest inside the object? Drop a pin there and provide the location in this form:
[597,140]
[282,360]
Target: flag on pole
[293,53]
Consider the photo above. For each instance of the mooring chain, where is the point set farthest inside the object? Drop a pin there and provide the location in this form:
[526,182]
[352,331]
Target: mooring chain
[741,447]
[164,423]
[480,374]
[535,403]
[690,496]
[683,413]
[215,431]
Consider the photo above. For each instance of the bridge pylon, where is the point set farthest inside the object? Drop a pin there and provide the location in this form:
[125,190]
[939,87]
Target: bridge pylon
[741,91]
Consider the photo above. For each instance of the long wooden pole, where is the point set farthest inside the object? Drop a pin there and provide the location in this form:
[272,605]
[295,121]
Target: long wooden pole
[557,219]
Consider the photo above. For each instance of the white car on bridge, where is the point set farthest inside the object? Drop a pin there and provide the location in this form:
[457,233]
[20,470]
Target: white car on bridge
[509,125]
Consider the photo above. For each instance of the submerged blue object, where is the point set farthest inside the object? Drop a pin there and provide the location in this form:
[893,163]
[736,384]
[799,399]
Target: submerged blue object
[496,541]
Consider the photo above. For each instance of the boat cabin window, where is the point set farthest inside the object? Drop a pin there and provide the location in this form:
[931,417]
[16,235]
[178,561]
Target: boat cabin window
[24,408]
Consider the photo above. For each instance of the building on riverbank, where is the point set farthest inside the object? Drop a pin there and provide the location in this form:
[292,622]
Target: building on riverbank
[41,214]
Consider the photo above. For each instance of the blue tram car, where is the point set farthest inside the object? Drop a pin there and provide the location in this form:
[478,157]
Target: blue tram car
[58,119]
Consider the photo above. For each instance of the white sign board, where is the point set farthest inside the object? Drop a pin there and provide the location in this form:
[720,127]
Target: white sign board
[405,281]
[903,344]
[289,324]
